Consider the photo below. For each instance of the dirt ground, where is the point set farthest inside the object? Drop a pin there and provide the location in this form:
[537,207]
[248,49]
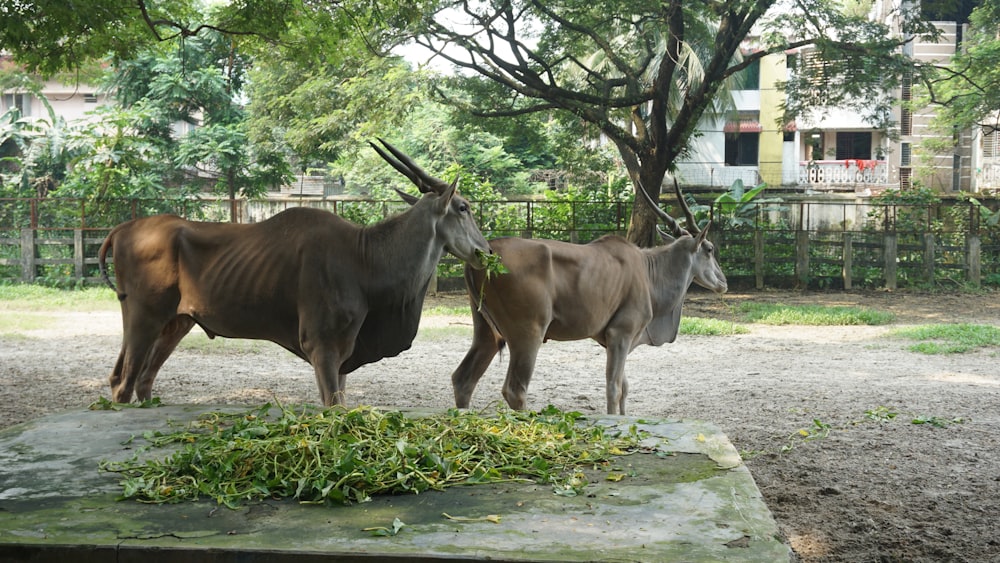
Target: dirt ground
[871,490]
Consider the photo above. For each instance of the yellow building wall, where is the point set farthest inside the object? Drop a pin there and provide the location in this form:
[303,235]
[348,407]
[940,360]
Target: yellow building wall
[772,69]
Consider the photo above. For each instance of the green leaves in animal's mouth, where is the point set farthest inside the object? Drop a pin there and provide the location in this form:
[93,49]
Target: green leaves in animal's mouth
[492,266]
[492,263]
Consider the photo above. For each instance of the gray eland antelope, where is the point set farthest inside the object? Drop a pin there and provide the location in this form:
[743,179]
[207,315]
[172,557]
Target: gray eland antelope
[335,294]
[609,290]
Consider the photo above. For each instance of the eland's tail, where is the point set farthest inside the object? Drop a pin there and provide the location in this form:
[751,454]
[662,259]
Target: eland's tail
[107,245]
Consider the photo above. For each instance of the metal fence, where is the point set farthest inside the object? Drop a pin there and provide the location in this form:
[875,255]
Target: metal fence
[801,244]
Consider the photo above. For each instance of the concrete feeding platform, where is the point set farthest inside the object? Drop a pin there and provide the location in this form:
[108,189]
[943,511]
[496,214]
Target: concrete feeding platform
[694,501]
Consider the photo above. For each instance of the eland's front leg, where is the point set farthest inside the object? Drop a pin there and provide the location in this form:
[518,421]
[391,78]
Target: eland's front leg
[327,350]
[617,384]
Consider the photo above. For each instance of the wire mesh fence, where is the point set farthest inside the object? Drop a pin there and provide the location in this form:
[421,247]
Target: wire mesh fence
[805,244]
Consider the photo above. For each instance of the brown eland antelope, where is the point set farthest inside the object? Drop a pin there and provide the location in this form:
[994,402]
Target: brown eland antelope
[610,290]
[335,294]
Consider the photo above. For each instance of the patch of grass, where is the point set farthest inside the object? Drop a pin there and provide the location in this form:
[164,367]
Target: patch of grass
[440,311]
[28,297]
[710,327]
[17,324]
[445,333]
[201,343]
[949,338]
[813,315]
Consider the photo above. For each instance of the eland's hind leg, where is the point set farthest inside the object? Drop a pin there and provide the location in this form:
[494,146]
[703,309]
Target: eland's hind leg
[132,359]
[523,354]
[169,337]
[118,376]
[142,326]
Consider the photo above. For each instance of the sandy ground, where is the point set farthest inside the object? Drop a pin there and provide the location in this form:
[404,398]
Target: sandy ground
[869,490]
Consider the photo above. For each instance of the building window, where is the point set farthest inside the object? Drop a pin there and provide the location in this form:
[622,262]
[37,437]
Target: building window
[991,144]
[905,178]
[854,145]
[90,98]
[904,154]
[741,149]
[947,11]
[748,78]
[20,101]
[814,145]
[906,94]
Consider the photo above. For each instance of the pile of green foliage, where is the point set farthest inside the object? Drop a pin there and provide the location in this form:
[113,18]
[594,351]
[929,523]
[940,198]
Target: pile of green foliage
[345,456]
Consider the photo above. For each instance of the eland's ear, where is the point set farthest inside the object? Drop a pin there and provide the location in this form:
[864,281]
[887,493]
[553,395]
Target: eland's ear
[452,188]
[704,232]
[447,194]
[407,197]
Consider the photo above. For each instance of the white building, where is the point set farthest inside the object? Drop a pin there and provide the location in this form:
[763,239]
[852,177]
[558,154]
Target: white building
[71,102]
[837,150]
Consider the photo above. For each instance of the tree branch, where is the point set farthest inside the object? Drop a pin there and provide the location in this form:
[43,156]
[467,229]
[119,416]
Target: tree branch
[183,31]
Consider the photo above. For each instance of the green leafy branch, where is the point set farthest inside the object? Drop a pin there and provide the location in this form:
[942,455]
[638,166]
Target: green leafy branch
[397,525]
[885,414]
[881,414]
[818,430]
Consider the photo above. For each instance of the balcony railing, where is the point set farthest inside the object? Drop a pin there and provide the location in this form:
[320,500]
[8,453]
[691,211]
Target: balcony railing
[988,175]
[850,173]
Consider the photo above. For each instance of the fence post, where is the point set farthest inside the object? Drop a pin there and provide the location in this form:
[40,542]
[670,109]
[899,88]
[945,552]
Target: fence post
[573,236]
[848,271]
[432,288]
[802,258]
[929,257]
[528,227]
[758,257]
[78,253]
[972,248]
[890,256]
[27,255]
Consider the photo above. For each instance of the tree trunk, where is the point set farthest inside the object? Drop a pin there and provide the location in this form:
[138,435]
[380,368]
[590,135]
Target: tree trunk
[644,171]
[642,226]
[231,181]
[644,220]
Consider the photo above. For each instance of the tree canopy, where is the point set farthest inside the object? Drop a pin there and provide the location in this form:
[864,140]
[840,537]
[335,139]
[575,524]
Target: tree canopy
[645,72]
[47,36]
[965,88]
[641,74]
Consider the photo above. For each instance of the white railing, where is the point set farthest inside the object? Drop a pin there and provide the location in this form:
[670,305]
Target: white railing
[716,175]
[988,175]
[850,172]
